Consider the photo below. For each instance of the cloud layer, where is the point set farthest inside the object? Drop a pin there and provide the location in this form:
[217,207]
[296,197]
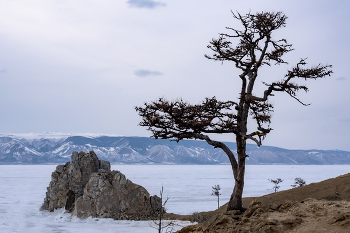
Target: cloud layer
[147,73]
[340,79]
[145,4]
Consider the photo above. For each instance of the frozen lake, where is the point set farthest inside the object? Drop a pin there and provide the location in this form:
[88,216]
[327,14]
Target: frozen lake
[23,187]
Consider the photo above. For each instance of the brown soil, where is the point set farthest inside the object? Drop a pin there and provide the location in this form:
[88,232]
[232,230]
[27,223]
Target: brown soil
[317,207]
[170,216]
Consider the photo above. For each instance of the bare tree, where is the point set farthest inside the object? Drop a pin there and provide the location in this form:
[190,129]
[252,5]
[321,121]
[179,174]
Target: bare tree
[159,211]
[276,182]
[216,192]
[255,47]
[299,182]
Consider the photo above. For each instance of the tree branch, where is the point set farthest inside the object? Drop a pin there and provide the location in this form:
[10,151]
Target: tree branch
[179,120]
[221,145]
[316,72]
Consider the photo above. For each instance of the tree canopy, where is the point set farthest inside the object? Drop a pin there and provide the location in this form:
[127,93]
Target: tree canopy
[249,48]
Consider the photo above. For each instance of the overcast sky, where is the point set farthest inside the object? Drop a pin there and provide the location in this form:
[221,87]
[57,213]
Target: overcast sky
[82,65]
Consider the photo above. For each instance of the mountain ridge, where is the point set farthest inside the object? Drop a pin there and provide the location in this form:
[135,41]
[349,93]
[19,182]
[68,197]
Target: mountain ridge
[56,149]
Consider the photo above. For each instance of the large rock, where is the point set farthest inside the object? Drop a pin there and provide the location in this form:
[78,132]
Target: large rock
[111,195]
[87,187]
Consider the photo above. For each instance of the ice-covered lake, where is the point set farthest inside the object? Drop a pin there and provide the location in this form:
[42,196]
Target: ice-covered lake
[23,187]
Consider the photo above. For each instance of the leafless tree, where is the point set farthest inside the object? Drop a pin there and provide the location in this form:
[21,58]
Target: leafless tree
[254,48]
[299,182]
[276,182]
[216,192]
[159,211]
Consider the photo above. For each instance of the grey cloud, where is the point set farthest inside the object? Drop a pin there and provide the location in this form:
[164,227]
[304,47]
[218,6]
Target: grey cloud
[341,79]
[145,4]
[344,120]
[3,71]
[146,73]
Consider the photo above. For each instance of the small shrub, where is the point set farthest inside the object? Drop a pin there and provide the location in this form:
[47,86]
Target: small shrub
[299,182]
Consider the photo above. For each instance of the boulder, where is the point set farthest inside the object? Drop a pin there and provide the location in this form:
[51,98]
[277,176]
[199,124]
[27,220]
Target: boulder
[87,187]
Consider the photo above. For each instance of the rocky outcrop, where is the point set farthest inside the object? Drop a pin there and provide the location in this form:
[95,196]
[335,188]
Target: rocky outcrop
[87,187]
[111,195]
[309,215]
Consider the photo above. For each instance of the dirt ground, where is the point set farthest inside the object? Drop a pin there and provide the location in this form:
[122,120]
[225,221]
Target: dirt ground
[317,207]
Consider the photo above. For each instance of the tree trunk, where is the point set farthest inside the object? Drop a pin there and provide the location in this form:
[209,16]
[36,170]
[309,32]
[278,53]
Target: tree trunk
[235,202]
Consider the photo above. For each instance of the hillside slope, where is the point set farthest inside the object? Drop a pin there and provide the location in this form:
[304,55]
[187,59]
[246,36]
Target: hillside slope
[317,207]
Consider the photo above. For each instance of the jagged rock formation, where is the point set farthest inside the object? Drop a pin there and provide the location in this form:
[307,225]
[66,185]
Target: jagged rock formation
[87,187]
[111,195]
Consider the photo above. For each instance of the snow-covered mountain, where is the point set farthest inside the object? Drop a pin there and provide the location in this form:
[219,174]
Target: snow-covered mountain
[57,148]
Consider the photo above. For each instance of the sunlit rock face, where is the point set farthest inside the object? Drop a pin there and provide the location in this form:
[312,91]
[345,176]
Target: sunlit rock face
[87,187]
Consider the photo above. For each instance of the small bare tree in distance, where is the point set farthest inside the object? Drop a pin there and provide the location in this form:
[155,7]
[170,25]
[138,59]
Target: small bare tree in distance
[249,49]
[216,192]
[276,182]
[299,182]
[159,211]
